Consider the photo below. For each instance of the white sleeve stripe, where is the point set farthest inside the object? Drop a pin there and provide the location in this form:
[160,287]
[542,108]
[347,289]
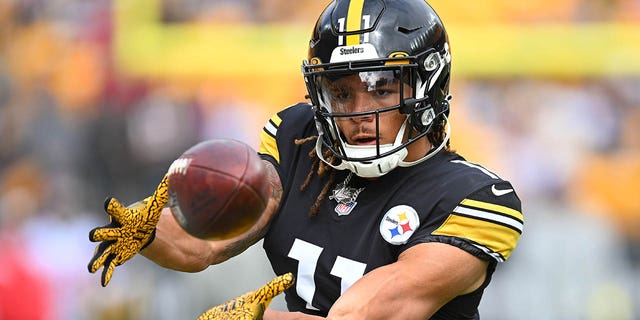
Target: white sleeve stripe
[473,165]
[486,250]
[491,217]
[270,128]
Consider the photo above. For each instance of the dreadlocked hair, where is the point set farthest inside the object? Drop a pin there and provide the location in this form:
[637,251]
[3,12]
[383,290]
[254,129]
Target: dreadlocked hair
[321,168]
[438,133]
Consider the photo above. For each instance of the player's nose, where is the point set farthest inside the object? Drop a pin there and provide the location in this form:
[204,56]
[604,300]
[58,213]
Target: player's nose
[362,103]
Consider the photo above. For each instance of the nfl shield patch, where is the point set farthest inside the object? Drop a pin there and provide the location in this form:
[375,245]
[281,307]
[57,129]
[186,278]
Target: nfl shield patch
[343,209]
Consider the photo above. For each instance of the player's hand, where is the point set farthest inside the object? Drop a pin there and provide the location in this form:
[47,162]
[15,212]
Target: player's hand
[251,305]
[129,231]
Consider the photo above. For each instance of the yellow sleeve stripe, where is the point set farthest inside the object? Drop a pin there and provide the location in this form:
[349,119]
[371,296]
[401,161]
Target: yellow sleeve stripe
[268,143]
[515,214]
[493,228]
[494,239]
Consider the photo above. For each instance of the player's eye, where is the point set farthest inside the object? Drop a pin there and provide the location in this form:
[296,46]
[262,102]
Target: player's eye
[340,94]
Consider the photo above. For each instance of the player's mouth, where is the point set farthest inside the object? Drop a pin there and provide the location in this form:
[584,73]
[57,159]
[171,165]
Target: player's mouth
[363,139]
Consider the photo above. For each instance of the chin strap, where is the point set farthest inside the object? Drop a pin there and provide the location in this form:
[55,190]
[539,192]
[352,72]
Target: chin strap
[379,167]
[431,152]
[371,168]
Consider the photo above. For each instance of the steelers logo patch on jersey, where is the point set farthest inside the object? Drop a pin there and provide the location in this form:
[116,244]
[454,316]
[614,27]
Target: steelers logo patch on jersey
[398,224]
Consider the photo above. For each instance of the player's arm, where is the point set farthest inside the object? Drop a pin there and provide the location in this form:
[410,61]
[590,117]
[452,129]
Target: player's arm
[174,248]
[485,226]
[424,278]
[148,228]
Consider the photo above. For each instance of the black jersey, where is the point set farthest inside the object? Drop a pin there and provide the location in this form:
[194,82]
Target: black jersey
[444,199]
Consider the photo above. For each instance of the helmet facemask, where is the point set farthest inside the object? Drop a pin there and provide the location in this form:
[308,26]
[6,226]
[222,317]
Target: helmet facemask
[398,77]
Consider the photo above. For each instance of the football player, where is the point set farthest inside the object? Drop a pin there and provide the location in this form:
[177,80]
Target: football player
[372,215]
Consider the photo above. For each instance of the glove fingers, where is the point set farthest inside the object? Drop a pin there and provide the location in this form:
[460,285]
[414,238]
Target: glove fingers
[115,209]
[251,305]
[93,231]
[257,312]
[107,272]
[102,251]
[105,234]
[160,197]
[273,288]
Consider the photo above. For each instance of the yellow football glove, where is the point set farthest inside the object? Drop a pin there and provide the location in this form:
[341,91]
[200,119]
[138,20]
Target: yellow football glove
[129,231]
[251,305]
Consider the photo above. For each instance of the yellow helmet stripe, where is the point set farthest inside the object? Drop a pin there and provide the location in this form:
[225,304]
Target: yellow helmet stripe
[354,21]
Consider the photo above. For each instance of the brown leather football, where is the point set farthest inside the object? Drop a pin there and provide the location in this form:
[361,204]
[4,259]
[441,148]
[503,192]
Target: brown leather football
[218,189]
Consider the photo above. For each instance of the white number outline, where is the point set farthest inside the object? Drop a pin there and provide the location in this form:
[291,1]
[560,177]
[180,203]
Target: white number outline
[366,22]
[307,254]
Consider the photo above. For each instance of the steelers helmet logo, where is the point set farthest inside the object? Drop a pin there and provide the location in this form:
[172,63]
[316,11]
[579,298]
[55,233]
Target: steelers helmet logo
[398,54]
[398,224]
[396,58]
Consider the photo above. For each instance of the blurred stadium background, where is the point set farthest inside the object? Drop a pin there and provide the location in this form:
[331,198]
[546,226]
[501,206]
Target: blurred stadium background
[98,97]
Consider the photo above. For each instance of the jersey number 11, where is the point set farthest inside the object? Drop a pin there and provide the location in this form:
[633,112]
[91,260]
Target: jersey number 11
[307,254]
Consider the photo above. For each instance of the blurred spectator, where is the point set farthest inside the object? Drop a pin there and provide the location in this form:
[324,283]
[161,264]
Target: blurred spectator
[25,292]
[572,261]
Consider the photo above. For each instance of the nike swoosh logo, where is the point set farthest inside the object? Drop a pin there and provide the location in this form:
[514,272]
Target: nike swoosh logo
[500,192]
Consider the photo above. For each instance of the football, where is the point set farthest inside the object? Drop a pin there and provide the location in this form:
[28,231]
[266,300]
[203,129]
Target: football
[218,189]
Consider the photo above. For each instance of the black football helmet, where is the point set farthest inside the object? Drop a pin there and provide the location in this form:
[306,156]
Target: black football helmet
[378,39]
